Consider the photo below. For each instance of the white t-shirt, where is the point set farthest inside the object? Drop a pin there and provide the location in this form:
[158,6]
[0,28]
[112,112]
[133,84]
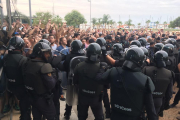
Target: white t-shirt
[54,47]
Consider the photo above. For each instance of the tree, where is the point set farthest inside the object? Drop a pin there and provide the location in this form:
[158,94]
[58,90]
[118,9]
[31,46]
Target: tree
[99,22]
[105,19]
[56,19]
[43,16]
[120,23]
[74,18]
[129,23]
[147,22]
[175,23]
[157,23]
[139,24]
[94,21]
[111,22]
[165,23]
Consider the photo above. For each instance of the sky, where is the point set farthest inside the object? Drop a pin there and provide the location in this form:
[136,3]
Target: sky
[138,11]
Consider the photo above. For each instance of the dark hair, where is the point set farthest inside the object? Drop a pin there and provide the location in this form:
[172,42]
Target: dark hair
[51,35]
[131,39]
[76,34]
[91,41]
[69,42]
[152,43]
[163,35]
[61,39]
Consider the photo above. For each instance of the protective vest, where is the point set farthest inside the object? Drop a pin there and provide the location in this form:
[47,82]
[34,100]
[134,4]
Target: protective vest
[161,78]
[13,69]
[32,75]
[171,63]
[127,91]
[87,84]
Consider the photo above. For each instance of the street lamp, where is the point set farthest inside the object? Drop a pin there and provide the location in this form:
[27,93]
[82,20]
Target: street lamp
[90,12]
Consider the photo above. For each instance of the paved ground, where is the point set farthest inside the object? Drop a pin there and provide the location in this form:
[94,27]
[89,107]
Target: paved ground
[170,114]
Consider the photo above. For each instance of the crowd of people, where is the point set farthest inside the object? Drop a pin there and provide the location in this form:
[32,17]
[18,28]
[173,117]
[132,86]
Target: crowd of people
[140,67]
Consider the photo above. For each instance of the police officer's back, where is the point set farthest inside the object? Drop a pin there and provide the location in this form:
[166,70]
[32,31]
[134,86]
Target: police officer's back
[171,63]
[162,79]
[130,89]
[13,62]
[39,82]
[90,92]
[76,50]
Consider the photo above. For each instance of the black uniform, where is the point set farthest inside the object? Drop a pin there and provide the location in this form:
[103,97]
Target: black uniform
[130,88]
[13,62]
[39,82]
[163,81]
[102,43]
[90,92]
[76,50]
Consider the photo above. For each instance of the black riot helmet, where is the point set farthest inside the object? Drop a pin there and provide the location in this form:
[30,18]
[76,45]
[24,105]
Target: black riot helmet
[134,58]
[145,51]
[158,47]
[117,49]
[93,52]
[169,48]
[39,49]
[133,46]
[16,43]
[136,42]
[160,58]
[45,41]
[171,41]
[143,42]
[102,43]
[76,47]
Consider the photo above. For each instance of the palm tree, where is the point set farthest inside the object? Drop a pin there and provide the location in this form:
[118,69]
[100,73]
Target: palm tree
[139,24]
[111,22]
[165,23]
[120,23]
[99,22]
[147,22]
[157,23]
[129,23]
[105,19]
[94,21]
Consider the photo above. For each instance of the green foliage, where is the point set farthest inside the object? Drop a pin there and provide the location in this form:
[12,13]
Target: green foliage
[56,19]
[105,18]
[74,18]
[120,22]
[129,22]
[43,16]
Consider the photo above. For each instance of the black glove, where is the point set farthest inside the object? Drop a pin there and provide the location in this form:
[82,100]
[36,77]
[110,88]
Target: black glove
[103,67]
[104,52]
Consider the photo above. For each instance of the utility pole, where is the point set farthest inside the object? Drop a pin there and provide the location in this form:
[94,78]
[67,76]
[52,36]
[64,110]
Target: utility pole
[30,13]
[8,6]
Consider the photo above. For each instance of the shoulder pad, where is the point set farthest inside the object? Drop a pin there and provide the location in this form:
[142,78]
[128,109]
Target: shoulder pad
[46,68]
[150,85]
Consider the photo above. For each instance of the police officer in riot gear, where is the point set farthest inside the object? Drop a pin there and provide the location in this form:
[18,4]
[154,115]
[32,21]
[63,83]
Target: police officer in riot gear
[171,63]
[143,42]
[55,61]
[117,53]
[127,100]
[76,50]
[147,60]
[157,47]
[135,42]
[102,43]
[39,82]
[90,92]
[12,64]
[162,79]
